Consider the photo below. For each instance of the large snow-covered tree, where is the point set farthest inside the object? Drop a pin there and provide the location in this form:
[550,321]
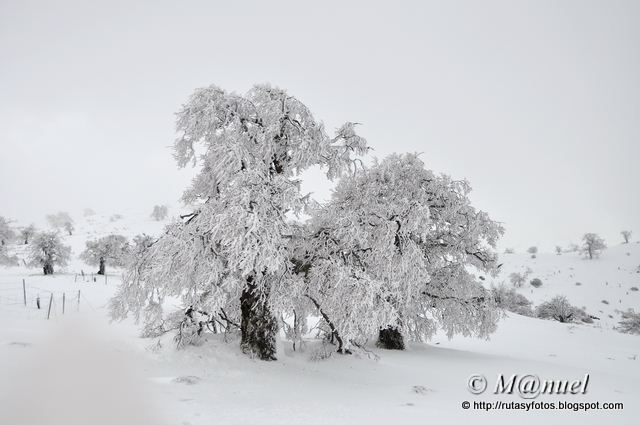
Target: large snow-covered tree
[112,249]
[232,251]
[47,250]
[394,253]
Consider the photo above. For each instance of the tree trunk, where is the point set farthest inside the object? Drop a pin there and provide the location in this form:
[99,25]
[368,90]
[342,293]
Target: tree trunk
[258,326]
[101,269]
[47,268]
[390,338]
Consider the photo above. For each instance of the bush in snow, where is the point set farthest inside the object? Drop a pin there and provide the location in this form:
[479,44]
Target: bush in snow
[115,217]
[558,308]
[47,250]
[536,283]
[558,250]
[509,251]
[61,220]
[630,322]
[509,299]
[6,231]
[160,212]
[88,212]
[113,249]
[27,232]
[532,250]
[626,235]
[592,245]
[604,302]
[634,288]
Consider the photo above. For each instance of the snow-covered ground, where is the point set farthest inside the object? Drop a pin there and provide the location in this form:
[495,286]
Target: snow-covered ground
[77,368]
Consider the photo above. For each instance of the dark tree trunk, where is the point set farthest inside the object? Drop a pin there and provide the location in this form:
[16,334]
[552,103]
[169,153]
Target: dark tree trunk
[390,338]
[258,326]
[47,268]
[101,269]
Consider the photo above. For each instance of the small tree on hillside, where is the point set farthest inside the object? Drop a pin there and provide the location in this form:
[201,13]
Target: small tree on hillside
[46,250]
[558,250]
[112,249]
[61,220]
[5,258]
[519,279]
[27,232]
[592,245]
[6,231]
[160,212]
[626,235]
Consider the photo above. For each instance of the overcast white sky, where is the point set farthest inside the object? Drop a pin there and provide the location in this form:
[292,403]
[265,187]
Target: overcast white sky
[536,103]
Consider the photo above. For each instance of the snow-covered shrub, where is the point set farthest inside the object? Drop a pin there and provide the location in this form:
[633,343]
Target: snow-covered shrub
[630,322]
[559,308]
[633,288]
[509,251]
[160,212]
[115,217]
[47,250]
[626,235]
[578,284]
[112,249]
[88,212]
[509,299]
[604,302]
[536,283]
[532,250]
[592,245]
[558,250]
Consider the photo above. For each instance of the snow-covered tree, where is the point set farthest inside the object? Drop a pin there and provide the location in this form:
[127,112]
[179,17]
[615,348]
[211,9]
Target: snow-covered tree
[7,259]
[230,257]
[391,253]
[509,299]
[626,235]
[558,250]
[46,250]
[88,212]
[160,212]
[27,232]
[592,245]
[61,220]
[518,279]
[559,308]
[532,250]
[111,249]
[6,231]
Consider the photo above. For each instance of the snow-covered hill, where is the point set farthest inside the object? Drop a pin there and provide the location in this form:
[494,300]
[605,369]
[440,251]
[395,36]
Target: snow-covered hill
[77,367]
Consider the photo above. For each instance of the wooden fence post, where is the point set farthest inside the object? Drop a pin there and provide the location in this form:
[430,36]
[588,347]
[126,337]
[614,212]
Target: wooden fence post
[24,292]
[63,302]
[50,302]
[78,300]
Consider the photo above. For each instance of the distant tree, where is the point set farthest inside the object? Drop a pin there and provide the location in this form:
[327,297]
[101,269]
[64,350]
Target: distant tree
[5,258]
[559,308]
[532,250]
[6,231]
[61,220]
[518,279]
[160,212]
[626,235]
[88,212]
[558,250]
[27,232]
[509,251]
[112,249]
[509,299]
[46,250]
[592,245]
[573,248]
[630,322]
